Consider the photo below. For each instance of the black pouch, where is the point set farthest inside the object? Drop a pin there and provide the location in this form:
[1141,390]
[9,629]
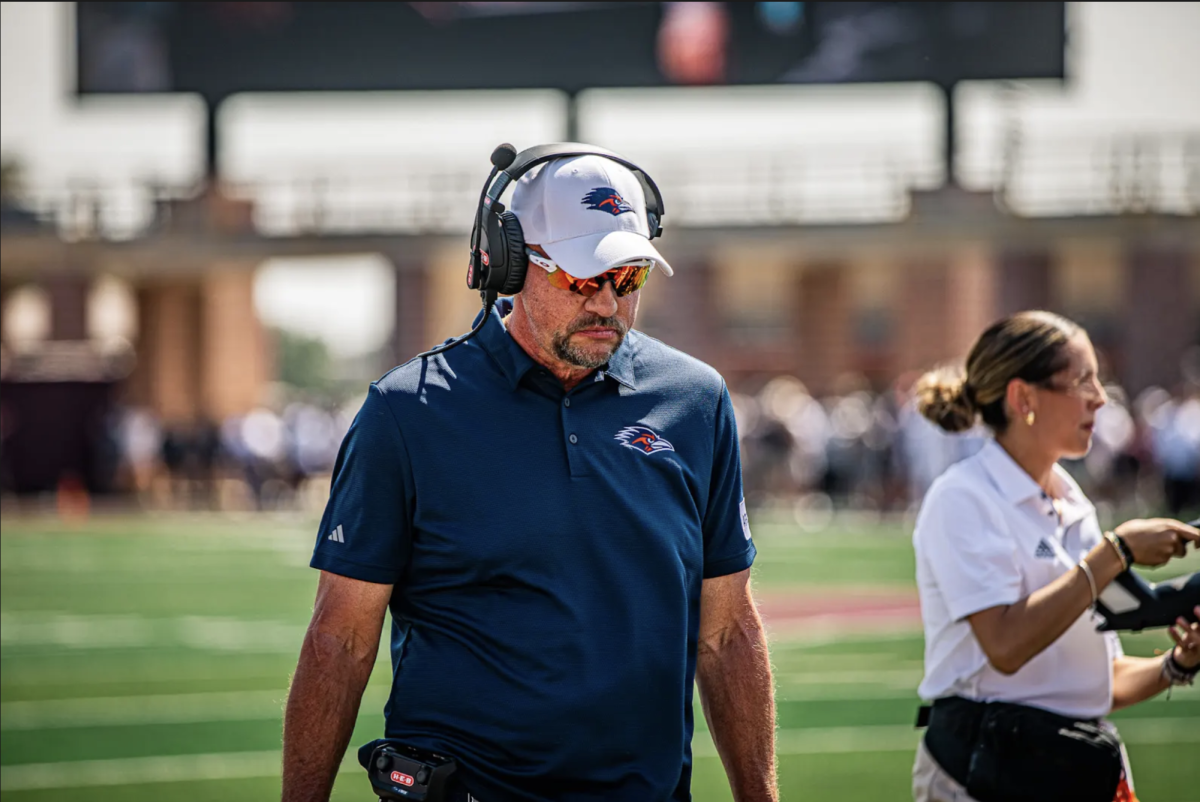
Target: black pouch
[400,771]
[1026,754]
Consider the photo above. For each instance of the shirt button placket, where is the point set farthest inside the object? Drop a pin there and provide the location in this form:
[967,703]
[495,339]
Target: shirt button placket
[578,465]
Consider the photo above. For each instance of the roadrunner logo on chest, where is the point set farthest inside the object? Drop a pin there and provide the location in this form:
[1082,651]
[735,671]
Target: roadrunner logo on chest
[643,439]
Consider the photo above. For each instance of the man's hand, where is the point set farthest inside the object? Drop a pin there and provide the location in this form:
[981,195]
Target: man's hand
[733,671]
[335,662]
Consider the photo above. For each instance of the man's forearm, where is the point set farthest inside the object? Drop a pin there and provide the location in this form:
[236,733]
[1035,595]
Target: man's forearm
[321,710]
[736,690]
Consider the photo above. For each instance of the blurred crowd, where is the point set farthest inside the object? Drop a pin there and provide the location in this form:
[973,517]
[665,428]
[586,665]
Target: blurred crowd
[854,449]
[268,459]
[861,450]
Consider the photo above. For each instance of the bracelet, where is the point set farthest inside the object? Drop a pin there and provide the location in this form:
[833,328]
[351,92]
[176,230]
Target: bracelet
[1128,552]
[1120,548]
[1176,674]
[1087,571]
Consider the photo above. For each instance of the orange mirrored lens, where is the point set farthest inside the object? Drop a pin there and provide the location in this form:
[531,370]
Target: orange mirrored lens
[625,279]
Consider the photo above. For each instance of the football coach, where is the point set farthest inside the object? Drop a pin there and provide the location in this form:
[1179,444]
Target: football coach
[552,513]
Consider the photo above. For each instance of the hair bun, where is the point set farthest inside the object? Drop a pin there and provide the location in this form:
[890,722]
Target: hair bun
[944,398]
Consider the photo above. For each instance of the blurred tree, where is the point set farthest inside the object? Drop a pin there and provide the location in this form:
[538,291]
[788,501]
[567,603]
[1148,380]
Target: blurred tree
[11,177]
[302,361]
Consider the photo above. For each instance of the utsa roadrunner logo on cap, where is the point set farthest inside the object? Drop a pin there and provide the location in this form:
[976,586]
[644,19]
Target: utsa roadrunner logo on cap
[642,439]
[606,199]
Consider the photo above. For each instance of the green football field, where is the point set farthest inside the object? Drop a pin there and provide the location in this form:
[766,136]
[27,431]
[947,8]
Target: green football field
[147,658]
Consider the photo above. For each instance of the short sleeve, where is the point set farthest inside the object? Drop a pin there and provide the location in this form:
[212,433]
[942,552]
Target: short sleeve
[728,547]
[972,562]
[366,529]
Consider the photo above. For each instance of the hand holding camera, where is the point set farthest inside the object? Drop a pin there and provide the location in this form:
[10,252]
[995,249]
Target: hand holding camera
[1154,541]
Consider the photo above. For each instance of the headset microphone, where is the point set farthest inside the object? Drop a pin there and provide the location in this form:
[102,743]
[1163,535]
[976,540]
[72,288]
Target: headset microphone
[503,156]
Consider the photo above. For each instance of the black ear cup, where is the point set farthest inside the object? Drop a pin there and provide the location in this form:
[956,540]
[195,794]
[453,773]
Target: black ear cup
[515,258]
[653,223]
[653,204]
[504,269]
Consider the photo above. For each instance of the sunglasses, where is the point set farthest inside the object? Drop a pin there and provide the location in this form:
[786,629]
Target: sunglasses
[626,278]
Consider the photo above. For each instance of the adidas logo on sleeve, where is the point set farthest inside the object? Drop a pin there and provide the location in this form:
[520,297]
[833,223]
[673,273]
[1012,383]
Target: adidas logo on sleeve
[336,535]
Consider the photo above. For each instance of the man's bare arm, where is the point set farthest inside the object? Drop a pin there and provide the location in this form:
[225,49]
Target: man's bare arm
[733,671]
[335,663]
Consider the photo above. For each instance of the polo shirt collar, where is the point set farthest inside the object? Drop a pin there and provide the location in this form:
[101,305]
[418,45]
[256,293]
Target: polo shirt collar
[1017,486]
[514,362]
[1014,483]
[620,366]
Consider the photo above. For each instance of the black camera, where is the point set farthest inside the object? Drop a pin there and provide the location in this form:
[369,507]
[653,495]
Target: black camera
[400,771]
[1131,603]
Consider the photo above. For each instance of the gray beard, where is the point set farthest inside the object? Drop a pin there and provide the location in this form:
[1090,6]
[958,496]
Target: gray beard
[581,358]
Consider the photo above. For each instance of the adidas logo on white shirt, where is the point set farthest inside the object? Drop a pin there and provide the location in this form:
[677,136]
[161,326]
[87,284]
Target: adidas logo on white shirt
[1044,550]
[336,535]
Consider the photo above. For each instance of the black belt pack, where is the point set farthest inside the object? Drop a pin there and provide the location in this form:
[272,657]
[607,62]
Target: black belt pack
[1005,752]
[400,771]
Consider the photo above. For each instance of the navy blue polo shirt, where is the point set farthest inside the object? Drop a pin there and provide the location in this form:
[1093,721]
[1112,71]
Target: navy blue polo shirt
[547,550]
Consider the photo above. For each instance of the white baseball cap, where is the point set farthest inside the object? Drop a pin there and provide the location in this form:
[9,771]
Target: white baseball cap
[587,212]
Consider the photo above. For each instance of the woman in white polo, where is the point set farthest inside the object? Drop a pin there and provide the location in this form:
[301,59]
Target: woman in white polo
[1010,557]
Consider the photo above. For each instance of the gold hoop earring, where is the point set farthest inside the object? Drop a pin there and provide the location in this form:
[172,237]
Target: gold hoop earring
[1030,418]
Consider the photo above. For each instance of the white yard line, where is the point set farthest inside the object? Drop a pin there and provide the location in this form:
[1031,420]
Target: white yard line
[816,631]
[246,765]
[183,708]
[205,633]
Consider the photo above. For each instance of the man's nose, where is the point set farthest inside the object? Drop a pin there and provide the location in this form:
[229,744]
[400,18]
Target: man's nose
[604,302]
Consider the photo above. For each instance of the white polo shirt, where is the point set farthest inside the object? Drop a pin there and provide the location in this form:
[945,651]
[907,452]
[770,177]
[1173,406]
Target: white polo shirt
[988,535]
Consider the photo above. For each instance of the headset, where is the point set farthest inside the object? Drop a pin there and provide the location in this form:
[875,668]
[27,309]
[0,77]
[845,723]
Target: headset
[498,262]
